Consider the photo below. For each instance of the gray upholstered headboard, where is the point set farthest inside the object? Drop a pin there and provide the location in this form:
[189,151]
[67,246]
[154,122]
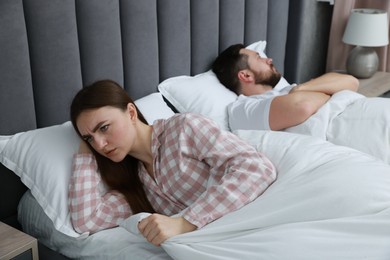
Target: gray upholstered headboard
[49,49]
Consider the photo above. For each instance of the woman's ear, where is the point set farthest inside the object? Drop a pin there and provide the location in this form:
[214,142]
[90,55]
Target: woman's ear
[132,110]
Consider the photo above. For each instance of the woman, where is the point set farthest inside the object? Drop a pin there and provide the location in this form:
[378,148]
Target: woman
[183,165]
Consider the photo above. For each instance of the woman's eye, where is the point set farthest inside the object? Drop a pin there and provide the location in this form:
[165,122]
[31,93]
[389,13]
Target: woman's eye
[104,128]
[88,139]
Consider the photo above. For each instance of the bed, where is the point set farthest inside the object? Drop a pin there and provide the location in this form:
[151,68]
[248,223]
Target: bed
[333,204]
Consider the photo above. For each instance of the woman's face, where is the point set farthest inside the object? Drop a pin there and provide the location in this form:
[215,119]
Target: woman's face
[109,130]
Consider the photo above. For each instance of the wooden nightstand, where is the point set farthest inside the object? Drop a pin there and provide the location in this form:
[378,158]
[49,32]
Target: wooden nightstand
[376,85]
[15,244]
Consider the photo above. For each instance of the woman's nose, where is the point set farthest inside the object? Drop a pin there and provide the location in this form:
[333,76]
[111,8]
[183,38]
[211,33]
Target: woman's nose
[100,142]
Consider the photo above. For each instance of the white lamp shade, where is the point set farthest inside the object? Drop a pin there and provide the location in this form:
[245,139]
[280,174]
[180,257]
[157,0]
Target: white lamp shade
[367,28]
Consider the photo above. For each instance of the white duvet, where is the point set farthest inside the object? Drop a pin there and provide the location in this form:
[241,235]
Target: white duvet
[352,120]
[328,202]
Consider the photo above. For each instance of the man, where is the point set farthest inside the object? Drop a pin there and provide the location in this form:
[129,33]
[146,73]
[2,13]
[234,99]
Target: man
[327,107]
[260,105]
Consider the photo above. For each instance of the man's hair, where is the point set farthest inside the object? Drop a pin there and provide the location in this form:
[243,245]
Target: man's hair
[227,65]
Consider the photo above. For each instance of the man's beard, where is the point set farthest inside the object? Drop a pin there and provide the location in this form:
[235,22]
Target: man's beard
[269,80]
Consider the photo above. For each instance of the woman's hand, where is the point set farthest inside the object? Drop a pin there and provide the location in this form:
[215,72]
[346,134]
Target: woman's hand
[157,228]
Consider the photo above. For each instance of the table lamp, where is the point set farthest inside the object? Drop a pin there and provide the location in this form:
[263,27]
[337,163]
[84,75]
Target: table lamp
[366,28]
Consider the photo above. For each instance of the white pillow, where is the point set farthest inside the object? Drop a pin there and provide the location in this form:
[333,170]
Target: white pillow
[153,107]
[204,94]
[42,158]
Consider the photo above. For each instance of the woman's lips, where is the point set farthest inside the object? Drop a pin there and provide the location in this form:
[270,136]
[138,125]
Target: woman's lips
[109,151]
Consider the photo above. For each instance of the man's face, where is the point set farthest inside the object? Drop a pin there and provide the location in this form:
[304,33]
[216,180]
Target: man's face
[264,71]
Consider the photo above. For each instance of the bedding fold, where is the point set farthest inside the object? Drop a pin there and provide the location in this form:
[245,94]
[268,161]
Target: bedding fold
[350,119]
[314,210]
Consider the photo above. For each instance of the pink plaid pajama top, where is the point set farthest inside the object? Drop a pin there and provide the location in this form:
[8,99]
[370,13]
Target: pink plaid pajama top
[200,173]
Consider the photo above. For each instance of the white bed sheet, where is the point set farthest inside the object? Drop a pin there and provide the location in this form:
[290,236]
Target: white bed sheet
[329,202]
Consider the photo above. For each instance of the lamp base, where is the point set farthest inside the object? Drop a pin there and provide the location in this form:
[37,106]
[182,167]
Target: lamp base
[362,62]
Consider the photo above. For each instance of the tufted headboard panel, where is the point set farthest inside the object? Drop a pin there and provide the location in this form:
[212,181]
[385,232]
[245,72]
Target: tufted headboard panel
[49,49]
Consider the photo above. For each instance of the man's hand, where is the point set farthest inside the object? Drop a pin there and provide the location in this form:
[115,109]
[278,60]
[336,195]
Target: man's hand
[157,228]
[295,89]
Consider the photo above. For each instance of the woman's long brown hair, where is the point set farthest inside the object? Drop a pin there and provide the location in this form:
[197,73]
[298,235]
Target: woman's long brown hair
[122,176]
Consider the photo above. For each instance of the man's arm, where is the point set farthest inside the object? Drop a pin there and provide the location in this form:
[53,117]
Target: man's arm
[329,83]
[305,99]
[294,108]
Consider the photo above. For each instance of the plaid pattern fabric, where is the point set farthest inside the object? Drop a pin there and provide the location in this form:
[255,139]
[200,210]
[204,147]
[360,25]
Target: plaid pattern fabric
[92,207]
[200,172]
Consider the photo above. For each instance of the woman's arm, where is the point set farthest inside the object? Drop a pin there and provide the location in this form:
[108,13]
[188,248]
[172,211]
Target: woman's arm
[237,173]
[225,171]
[92,208]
